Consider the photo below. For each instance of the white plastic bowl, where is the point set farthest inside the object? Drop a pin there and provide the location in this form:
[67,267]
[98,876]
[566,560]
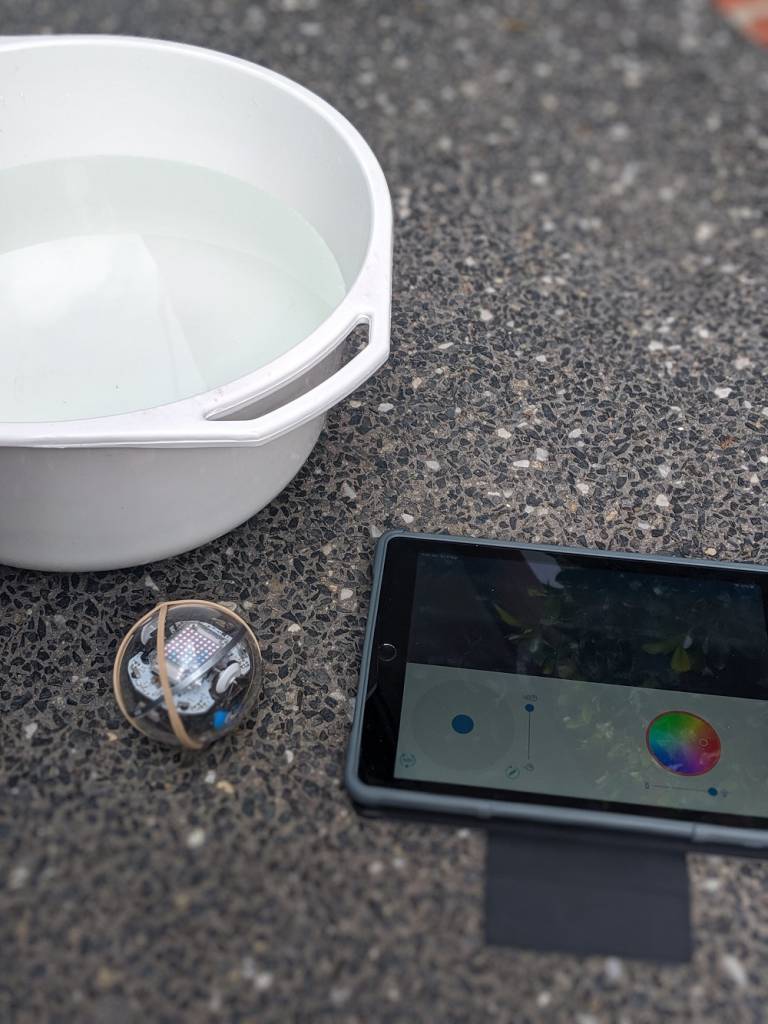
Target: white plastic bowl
[126,489]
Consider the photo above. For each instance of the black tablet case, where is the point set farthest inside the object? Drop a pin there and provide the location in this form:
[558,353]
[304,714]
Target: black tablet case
[574,890]
[583,895]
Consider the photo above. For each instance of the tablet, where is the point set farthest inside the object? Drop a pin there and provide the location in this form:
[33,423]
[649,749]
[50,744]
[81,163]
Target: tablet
[503,680]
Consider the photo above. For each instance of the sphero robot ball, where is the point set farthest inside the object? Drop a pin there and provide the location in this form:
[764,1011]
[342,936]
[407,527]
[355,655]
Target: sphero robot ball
[188,673]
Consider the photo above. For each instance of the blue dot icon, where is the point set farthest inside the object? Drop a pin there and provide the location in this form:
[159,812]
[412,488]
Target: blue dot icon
[530,707]
[712,791]
[462,724]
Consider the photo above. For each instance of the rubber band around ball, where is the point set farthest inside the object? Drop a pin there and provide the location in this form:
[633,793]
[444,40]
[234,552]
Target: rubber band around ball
[161,610]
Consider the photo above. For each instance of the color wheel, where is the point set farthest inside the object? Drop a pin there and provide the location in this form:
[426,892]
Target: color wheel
[683,743]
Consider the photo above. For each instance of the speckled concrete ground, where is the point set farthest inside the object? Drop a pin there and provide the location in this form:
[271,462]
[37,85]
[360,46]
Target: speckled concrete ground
[580,334]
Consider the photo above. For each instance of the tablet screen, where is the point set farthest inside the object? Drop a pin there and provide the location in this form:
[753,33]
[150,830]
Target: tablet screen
[575,679]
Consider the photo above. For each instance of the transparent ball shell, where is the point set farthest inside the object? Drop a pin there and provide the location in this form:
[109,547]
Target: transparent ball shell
[188,673]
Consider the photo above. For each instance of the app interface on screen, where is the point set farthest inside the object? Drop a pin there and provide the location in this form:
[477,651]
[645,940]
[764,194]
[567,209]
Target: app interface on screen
[542,675]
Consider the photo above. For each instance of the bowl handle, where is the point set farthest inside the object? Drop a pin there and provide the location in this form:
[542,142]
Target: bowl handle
[313,403]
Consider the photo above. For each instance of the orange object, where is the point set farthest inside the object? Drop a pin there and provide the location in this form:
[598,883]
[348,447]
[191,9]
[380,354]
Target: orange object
[750,17]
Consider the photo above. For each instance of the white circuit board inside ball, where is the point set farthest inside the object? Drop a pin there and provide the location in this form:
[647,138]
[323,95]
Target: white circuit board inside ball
[202,663]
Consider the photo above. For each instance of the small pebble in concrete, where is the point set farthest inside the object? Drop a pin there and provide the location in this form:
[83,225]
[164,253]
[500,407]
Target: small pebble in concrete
[18,877]
[340,995]
[106,977]
[705,232]
[255,19]
[614,970]
[196,839]
[735,969]
[262,982]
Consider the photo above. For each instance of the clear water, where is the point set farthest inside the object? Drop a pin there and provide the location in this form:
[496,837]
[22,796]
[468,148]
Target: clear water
[127,283]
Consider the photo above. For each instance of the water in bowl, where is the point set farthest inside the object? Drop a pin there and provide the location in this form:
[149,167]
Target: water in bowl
[127,283]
